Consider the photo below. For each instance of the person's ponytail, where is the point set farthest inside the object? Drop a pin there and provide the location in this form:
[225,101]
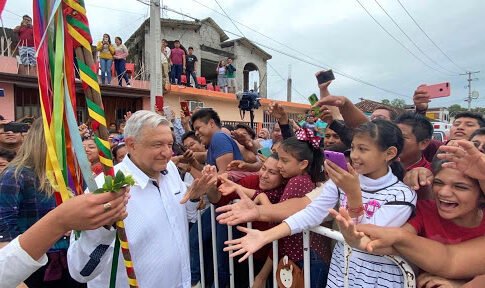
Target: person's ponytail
[398,169]
[316,169]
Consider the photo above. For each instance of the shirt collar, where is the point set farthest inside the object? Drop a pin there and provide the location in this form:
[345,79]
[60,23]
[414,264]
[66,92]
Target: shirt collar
[141,179]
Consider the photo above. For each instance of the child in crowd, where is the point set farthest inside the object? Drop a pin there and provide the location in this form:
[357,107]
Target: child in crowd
[454,216]
[372,191]
[300,161]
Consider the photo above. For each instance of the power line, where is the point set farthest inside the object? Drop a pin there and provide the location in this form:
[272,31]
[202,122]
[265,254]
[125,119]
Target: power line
[429,38]
[397,40]
[224,11]
[411,40]
[325,66]
[285,80]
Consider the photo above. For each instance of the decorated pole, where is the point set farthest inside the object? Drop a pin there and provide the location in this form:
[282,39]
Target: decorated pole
[61,30]
[78,29]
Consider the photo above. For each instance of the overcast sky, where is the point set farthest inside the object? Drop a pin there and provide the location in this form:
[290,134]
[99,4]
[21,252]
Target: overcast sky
[331,33]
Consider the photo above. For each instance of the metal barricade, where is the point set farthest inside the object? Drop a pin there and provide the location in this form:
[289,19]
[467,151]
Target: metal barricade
[407,271]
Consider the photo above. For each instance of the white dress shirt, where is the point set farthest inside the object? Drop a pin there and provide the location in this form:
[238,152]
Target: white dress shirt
[16,265]
[157,231]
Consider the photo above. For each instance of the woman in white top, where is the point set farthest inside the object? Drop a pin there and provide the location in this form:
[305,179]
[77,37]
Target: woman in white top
[221,75]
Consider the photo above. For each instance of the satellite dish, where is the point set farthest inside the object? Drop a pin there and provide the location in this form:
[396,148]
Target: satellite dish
[475,94]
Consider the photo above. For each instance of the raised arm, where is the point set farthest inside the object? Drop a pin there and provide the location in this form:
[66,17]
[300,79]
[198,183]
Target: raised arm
[455,261]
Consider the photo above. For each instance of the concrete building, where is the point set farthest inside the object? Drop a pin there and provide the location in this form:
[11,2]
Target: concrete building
[210,45]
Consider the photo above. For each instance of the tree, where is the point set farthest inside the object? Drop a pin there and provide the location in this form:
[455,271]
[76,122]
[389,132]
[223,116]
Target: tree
[398,103]
[455,109]
[386,102]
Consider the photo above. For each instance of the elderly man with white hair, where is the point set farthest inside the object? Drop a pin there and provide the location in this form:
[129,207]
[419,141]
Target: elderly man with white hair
[157,224]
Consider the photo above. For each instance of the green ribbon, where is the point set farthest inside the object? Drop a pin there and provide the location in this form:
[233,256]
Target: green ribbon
[93,106]
[114,263]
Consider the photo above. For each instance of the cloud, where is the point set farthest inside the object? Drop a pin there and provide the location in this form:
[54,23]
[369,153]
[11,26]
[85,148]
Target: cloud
[335,33]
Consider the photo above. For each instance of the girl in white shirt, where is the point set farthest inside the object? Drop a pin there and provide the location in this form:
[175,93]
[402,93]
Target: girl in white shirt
[371,191]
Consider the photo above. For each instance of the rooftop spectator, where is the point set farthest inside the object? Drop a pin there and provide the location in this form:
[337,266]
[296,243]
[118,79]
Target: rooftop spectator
[26,41]
[177,58]
[106,51]
[121,52]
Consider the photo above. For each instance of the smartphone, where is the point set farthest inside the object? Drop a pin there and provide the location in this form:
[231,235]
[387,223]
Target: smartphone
[16,127]
[314,99]
[185,108]
[266,152]
[437,90]
[168,112]
[159,102]
[337,158]
[325,76]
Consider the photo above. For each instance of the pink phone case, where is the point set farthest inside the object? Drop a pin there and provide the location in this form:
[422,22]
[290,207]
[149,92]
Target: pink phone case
[337,158]
[438,90]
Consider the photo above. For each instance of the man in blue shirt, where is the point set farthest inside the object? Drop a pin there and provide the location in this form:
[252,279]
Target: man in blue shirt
[221,148]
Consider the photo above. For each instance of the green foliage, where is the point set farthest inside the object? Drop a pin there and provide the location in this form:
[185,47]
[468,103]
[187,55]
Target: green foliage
[115,184]
[386,102]
[398,103]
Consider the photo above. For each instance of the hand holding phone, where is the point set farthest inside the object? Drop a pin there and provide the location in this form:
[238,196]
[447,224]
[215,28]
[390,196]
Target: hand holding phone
[325,76]
[337,158]
[185,108]
[159,103]
[437,90]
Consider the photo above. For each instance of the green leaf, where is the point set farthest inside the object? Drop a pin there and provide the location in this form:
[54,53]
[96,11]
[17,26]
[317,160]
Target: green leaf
[129,180]
[120,177]
[100,190]
[108,183]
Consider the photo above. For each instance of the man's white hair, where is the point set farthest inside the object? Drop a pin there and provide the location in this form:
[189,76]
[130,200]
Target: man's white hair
[143,118]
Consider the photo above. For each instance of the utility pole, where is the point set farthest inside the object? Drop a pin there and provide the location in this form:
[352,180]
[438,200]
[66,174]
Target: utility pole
[156,88]
[288,85]
[469,86]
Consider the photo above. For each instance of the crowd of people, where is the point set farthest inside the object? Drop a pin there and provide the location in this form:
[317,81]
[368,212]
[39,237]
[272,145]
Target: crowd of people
[396,192]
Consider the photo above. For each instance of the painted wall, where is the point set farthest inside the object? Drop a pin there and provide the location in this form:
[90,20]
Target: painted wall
[7,107]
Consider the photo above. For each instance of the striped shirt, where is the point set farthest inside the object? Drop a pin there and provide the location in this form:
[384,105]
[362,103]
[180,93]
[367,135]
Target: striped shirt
[387,202]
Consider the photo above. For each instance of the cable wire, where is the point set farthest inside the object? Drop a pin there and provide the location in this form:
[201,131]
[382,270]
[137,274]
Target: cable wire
[397,40]
[325,66]
[411,40]
[429,38]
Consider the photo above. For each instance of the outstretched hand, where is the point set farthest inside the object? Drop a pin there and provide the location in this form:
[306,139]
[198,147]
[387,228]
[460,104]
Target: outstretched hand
[278,112]
[201,185]
[227,187]
[247,245]
[464,156]
[243,211]
[418,177]
[348,229]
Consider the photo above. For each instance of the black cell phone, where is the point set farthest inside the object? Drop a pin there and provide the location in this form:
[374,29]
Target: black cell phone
[16,127]
[325,76]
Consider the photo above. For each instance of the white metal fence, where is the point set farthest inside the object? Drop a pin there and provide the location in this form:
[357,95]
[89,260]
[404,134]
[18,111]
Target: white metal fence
[407,271]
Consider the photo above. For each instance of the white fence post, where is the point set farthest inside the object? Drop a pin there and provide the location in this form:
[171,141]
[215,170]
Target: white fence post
[231,260]
[306,258]
[214,246]
[201,249]
[251,262]
[275,263]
